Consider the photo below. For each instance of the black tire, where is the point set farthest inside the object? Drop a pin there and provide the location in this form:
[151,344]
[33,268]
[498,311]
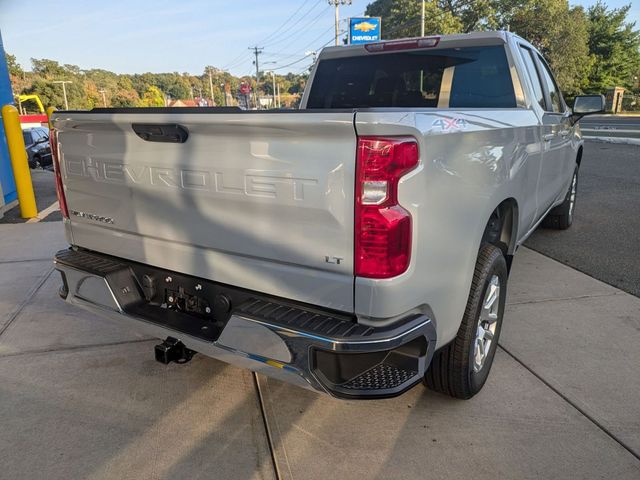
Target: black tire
[561,217]
[452,368]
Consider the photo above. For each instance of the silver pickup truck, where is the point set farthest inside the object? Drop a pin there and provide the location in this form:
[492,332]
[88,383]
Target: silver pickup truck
[356,246]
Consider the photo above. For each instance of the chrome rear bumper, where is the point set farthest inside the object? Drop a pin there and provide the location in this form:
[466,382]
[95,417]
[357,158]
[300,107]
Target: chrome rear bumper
[319,350]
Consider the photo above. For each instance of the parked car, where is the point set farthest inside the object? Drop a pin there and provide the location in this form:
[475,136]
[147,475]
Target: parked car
[36,141]
[356,246]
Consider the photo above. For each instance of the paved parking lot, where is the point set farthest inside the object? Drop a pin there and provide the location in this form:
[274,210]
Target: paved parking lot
[605,236]
[84,399]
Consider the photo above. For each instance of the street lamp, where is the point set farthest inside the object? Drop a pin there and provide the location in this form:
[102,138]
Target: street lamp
[64,91]
[104,99]
[273,79]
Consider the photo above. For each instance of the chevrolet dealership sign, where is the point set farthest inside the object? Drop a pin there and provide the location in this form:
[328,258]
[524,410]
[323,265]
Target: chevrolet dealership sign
[364,30]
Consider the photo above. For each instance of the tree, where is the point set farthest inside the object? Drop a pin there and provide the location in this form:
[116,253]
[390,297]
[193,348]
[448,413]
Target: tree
[401,18]
[474,15]
[48,69]
[17,76]
[14,67]
[125,98]
[93,95]
[615,46]
[560,33]
[50,94]
[152,98]
[121,90]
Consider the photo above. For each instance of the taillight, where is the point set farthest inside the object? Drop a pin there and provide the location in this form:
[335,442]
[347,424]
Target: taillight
[382,226]
[53,142]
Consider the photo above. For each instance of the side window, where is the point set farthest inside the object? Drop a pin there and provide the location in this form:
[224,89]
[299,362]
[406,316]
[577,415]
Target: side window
[554,92]
[533,76]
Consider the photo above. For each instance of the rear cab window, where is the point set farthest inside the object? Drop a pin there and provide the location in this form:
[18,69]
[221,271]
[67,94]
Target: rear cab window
[467,77]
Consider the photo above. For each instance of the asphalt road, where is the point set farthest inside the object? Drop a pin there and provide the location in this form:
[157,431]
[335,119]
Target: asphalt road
[611,126]
[604,240]
[633,121]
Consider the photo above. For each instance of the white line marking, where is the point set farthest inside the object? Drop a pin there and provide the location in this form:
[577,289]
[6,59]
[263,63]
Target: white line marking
[44,213]
[605,130]
[620,140]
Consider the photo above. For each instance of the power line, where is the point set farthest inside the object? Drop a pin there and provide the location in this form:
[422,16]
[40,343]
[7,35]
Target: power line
[287,20]
[306,56]
[277,38]
[234,61]
[317,38]
[292,63]
[276,41]
[243,57]
[304,27]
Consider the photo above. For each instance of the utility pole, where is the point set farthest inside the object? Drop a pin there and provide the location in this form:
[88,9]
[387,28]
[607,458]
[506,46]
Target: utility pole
[104,99]
[313,53]
[64,91]
[256,51]
[210,83]
[337,3]
[422,20]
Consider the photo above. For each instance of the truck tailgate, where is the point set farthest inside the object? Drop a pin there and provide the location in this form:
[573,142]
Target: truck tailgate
[258,200]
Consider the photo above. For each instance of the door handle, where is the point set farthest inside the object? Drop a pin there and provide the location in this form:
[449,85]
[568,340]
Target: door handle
[547,137]
[161,132]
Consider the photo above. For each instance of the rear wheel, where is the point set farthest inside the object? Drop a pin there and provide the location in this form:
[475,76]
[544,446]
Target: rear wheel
[461,368]
[561,217]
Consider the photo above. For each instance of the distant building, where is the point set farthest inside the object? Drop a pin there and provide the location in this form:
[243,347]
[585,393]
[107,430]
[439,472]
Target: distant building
[188,102]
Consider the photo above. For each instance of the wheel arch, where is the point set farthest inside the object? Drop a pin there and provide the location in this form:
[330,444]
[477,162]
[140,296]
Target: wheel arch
[501,229]
[579,155]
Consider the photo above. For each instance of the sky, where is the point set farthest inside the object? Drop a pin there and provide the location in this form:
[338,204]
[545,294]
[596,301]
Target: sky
[138,36]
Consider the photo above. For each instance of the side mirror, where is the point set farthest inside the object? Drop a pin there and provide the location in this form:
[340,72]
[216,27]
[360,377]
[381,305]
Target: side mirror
[587,105]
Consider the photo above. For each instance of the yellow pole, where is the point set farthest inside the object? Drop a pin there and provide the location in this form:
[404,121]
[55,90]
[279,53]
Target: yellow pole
[18,154]
[50,111]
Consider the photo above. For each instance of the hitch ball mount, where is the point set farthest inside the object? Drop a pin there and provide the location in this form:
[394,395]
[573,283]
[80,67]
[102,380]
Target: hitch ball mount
[173,350]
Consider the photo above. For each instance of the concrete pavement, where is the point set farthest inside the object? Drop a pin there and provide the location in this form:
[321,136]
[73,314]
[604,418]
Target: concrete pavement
[45,191]
[83,399]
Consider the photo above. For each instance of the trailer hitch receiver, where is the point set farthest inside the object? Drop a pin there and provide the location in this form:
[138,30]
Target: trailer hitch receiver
[173,350]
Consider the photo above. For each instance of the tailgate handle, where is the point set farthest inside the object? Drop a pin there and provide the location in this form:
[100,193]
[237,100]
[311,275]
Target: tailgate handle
[161,132]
